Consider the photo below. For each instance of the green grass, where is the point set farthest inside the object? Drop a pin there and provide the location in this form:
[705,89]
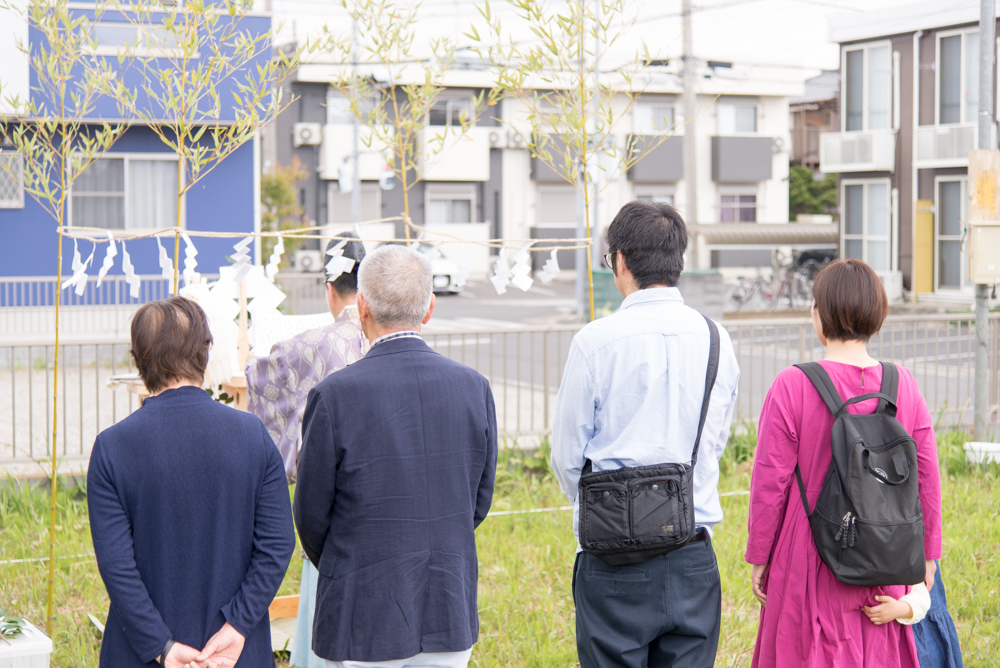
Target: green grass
[526,605]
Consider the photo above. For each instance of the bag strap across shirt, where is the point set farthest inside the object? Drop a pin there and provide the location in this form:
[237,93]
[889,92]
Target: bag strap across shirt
[710,376]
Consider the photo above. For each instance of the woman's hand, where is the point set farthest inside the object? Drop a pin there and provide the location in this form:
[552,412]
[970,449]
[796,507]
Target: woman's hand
[929,576]
[756,580]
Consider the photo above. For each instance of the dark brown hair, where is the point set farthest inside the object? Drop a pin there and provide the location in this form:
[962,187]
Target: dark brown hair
[170,342]
[851,301]
[652,237]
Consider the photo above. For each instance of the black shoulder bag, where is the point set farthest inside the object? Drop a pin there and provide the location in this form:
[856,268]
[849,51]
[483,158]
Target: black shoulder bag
[632,514]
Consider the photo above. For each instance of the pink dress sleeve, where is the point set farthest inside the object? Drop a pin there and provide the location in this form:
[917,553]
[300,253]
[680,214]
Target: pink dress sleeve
[921,427]
[773,474]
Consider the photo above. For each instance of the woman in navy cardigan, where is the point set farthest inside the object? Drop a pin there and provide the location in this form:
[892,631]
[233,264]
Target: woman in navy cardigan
[189,511]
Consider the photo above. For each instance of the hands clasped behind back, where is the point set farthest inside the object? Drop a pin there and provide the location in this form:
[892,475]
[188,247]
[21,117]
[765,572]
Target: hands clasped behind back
[221,651]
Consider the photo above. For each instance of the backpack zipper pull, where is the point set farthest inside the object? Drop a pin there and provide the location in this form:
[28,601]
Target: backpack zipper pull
[841,533]
[854,532]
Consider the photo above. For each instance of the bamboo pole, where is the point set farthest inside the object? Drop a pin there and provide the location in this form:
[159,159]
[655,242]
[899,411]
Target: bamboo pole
[54,482]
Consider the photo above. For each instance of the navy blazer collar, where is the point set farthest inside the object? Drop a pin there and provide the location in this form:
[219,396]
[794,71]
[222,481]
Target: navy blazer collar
[401,345]
[186,394]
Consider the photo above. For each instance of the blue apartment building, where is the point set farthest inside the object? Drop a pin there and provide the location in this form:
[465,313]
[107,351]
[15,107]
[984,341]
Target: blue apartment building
[131,188]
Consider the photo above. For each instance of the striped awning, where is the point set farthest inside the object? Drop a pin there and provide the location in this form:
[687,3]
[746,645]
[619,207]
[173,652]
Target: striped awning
[765,234]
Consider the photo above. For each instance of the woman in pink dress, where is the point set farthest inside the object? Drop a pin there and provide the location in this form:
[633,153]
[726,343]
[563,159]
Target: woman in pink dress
[808,617]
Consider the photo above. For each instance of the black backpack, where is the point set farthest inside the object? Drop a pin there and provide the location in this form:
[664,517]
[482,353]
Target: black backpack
[867,522]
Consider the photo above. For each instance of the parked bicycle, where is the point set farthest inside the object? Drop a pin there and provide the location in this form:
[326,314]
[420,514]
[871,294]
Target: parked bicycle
[789,287]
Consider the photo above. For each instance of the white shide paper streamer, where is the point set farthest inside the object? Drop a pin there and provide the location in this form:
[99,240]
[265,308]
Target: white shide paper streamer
[130,278]
[550,269]
[338,264]
[271,270]
[109,259]
[190,261]
[79,277]
[501,272]
[241,259]
[521,272]
[166,266]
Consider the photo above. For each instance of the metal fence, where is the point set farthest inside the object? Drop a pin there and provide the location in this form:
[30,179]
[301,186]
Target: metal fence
[86,404]
[524,367]
[938,349]
[100,314]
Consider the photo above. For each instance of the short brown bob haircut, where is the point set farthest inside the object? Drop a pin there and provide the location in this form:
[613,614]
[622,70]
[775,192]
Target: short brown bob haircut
[170,342]
[851,301]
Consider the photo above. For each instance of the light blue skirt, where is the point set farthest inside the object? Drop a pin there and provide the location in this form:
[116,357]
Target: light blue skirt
[302,654]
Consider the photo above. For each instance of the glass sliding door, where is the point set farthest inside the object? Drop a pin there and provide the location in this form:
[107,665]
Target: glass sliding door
[867,223]
[950,256]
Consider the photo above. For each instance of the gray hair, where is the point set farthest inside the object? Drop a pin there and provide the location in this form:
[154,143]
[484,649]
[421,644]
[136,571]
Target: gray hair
[396,282]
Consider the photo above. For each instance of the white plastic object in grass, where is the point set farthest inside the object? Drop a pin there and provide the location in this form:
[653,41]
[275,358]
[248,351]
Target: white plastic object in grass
[980,452]
[29,649]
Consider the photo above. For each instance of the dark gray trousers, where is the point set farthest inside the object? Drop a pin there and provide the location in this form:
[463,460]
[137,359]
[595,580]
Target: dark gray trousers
[663,612]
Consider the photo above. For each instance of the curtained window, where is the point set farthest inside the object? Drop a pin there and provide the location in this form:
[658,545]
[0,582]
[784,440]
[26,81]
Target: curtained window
[126,193]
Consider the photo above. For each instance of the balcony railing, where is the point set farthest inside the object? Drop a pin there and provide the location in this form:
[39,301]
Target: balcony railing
[868,151]
[945,145]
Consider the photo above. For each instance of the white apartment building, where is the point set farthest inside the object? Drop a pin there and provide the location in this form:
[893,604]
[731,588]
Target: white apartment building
[489,185]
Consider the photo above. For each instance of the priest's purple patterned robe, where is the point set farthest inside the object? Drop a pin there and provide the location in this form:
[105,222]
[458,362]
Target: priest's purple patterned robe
[278,384]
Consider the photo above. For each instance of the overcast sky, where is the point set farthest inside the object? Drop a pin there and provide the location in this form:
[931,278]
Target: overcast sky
[791,33]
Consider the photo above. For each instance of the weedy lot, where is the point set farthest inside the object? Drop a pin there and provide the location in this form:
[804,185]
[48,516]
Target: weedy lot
[526,563]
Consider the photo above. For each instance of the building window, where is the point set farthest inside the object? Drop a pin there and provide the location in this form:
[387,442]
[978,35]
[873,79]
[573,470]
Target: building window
[340,205]
[338,108]
[867,222]
[450,111]
[950,258]
[664,195]
[867,88]
[11,180]
[126,193]
[738,118]
[110,38]
[958,77]
[557,206]
[451,205]
[737,207]
[654,118]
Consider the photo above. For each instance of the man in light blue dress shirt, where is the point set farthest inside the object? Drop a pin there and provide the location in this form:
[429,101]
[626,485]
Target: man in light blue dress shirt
[631,395]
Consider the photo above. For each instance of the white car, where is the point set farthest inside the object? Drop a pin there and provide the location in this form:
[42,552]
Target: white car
[445,272]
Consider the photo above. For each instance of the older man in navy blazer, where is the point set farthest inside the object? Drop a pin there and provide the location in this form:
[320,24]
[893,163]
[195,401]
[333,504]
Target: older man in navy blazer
[395,473]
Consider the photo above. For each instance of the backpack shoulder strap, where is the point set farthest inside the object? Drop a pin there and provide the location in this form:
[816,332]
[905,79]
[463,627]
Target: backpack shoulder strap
[890,388]
[820,379]
[802,491]
[710,376]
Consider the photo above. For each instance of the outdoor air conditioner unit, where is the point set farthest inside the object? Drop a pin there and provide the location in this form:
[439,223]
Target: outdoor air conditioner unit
[498,139]
[307,134]
[308,260]
[515,140]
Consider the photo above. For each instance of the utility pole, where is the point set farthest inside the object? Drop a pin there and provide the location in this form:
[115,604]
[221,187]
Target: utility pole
[690,141]
[356,189]
[987,42]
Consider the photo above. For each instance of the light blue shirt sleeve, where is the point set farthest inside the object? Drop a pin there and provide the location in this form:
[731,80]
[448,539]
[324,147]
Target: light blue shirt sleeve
[573,424]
